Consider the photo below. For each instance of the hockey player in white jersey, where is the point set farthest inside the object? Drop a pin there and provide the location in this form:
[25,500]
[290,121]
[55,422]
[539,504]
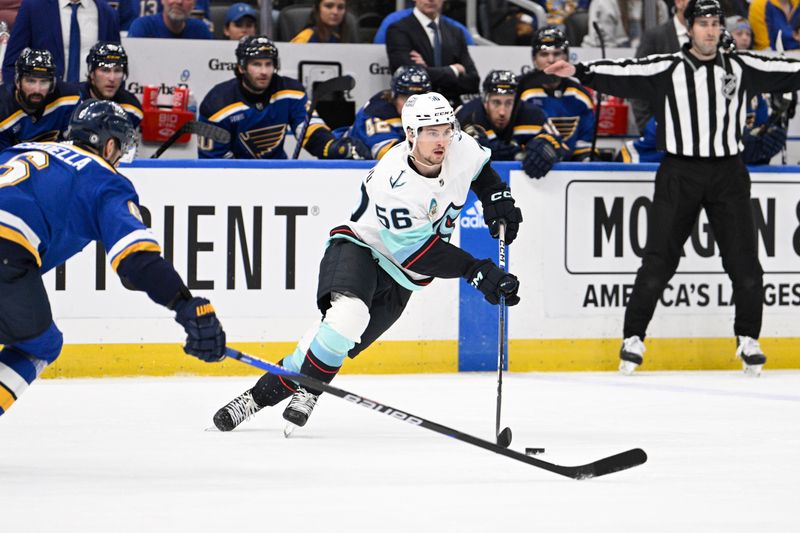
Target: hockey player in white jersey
[395,242]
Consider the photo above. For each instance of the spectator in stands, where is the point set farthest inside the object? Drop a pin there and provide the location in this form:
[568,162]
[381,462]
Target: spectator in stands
[522,134]
[391,18]
[327,24]
[567,103]
[620,22]
[108,68]
[130,10]
[739,28]
[56,27]
[423,38]
[768,18]
[8,12]
[175,22]
[37,106]
[259,105]
[240,21]
[378,123]
[665,38]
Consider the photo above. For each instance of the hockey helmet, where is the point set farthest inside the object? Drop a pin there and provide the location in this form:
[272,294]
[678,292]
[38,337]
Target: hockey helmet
[35,63]
[107,55]
[428,109]
[550,38]
[500,82]
[726,41]
[703,8]
[410,79]
[256,47]
[95,121]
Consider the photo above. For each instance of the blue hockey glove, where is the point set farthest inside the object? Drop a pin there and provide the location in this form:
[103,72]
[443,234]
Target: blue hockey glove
[540,156]
[346,148]
[205,338]
[499,207]
[761,148]
[494,283]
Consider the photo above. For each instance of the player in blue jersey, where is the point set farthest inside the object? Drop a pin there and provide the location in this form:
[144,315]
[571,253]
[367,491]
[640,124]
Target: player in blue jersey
[522,134]
[259,106]
[55,198]
[37,106]
[106,74]
[377,123]
[566,102]
[394,243]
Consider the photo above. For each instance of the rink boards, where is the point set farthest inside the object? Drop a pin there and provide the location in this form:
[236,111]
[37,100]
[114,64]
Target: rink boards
[249,236]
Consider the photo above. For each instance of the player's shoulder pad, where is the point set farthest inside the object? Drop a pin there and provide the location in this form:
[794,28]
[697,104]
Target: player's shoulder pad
[221,96]
[530,113]
[470,111]
[381,107]
[284,88]
[125,97]
[8,103]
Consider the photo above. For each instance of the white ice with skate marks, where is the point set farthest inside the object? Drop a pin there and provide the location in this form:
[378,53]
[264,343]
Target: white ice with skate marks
[130,455]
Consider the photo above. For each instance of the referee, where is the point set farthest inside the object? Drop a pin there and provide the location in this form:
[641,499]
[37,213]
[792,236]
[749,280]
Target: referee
[700,98]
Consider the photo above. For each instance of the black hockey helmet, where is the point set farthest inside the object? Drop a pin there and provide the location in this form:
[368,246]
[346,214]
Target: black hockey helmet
[500,82]
[107,55]
[35,63]
[95,121]
[256,47]
[410,79]
[703,8]
[550,38]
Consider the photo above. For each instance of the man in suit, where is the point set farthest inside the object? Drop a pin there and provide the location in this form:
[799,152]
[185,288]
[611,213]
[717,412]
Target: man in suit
[55,25]
[665,38]
[423,38]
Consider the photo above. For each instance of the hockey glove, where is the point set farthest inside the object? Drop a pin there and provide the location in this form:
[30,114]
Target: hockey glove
[759,149]
[346,148]
[205,338]
[493,282]
[499,207]
[540,156]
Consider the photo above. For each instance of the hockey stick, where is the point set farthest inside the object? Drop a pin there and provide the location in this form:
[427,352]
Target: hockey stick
[338,84]
[607,465]
[209,131]
[503,437]
[592,155]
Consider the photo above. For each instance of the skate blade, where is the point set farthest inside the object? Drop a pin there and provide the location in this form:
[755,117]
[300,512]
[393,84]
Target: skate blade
[627,368]
[288,430]
[753,371]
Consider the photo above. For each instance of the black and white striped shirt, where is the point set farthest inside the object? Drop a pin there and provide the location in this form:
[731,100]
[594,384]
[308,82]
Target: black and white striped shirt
[700,105]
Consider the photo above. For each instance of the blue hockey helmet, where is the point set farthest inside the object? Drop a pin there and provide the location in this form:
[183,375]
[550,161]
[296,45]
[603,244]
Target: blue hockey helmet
[500,82]
[107,55]
[550,38]
[410,79]
[95,121]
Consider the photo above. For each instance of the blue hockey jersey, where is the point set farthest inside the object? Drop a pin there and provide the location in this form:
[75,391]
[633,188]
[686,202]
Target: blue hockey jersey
[55,198]
[569,106]
[258,125]
[124,98]
[48,124]
[378,124]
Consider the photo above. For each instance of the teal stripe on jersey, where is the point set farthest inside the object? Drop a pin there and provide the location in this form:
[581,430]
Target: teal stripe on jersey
[404,244]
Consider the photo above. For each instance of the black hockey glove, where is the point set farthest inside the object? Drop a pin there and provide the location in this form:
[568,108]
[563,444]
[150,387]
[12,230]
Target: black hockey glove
[759,149]
[540,156]
[494,283]
[499,207]
[205,338]
[346,148]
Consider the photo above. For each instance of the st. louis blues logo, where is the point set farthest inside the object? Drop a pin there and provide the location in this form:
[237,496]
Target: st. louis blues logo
[446,224]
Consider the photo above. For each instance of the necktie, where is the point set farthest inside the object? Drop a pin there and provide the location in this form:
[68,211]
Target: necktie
[437,45]
[74,62]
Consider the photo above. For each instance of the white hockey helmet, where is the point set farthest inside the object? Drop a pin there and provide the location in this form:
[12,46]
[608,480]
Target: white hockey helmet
[427,109]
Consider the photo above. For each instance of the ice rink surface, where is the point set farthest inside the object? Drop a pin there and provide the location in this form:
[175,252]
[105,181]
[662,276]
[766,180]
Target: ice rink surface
[132,455]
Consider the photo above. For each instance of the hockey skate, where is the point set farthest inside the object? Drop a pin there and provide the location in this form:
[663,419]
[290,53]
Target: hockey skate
[298,410]
[630,355]
[749,351]
[237,411]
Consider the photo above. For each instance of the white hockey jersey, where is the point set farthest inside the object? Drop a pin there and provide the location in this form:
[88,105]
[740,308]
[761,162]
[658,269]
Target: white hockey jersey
[401,212]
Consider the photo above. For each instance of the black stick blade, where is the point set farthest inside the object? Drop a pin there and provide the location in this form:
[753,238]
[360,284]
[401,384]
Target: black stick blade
[504,438]
[209,131]
[609,465]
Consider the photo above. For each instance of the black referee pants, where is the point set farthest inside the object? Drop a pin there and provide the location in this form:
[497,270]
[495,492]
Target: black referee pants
[721,186]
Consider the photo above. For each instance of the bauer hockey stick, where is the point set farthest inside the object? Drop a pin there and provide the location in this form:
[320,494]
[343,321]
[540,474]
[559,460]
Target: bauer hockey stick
[209,131]
[503,437]
[607,465]
[333,85]
[592,155]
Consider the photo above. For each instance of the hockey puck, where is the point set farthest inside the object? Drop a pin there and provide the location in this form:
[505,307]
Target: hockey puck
[533,451]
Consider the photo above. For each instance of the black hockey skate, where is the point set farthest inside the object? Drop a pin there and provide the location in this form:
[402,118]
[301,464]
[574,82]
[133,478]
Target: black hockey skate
[299,409]
[237,411]
[749,351]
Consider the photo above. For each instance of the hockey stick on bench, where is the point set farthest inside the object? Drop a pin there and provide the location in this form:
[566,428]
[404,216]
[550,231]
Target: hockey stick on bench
[607,465]
[209,131]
